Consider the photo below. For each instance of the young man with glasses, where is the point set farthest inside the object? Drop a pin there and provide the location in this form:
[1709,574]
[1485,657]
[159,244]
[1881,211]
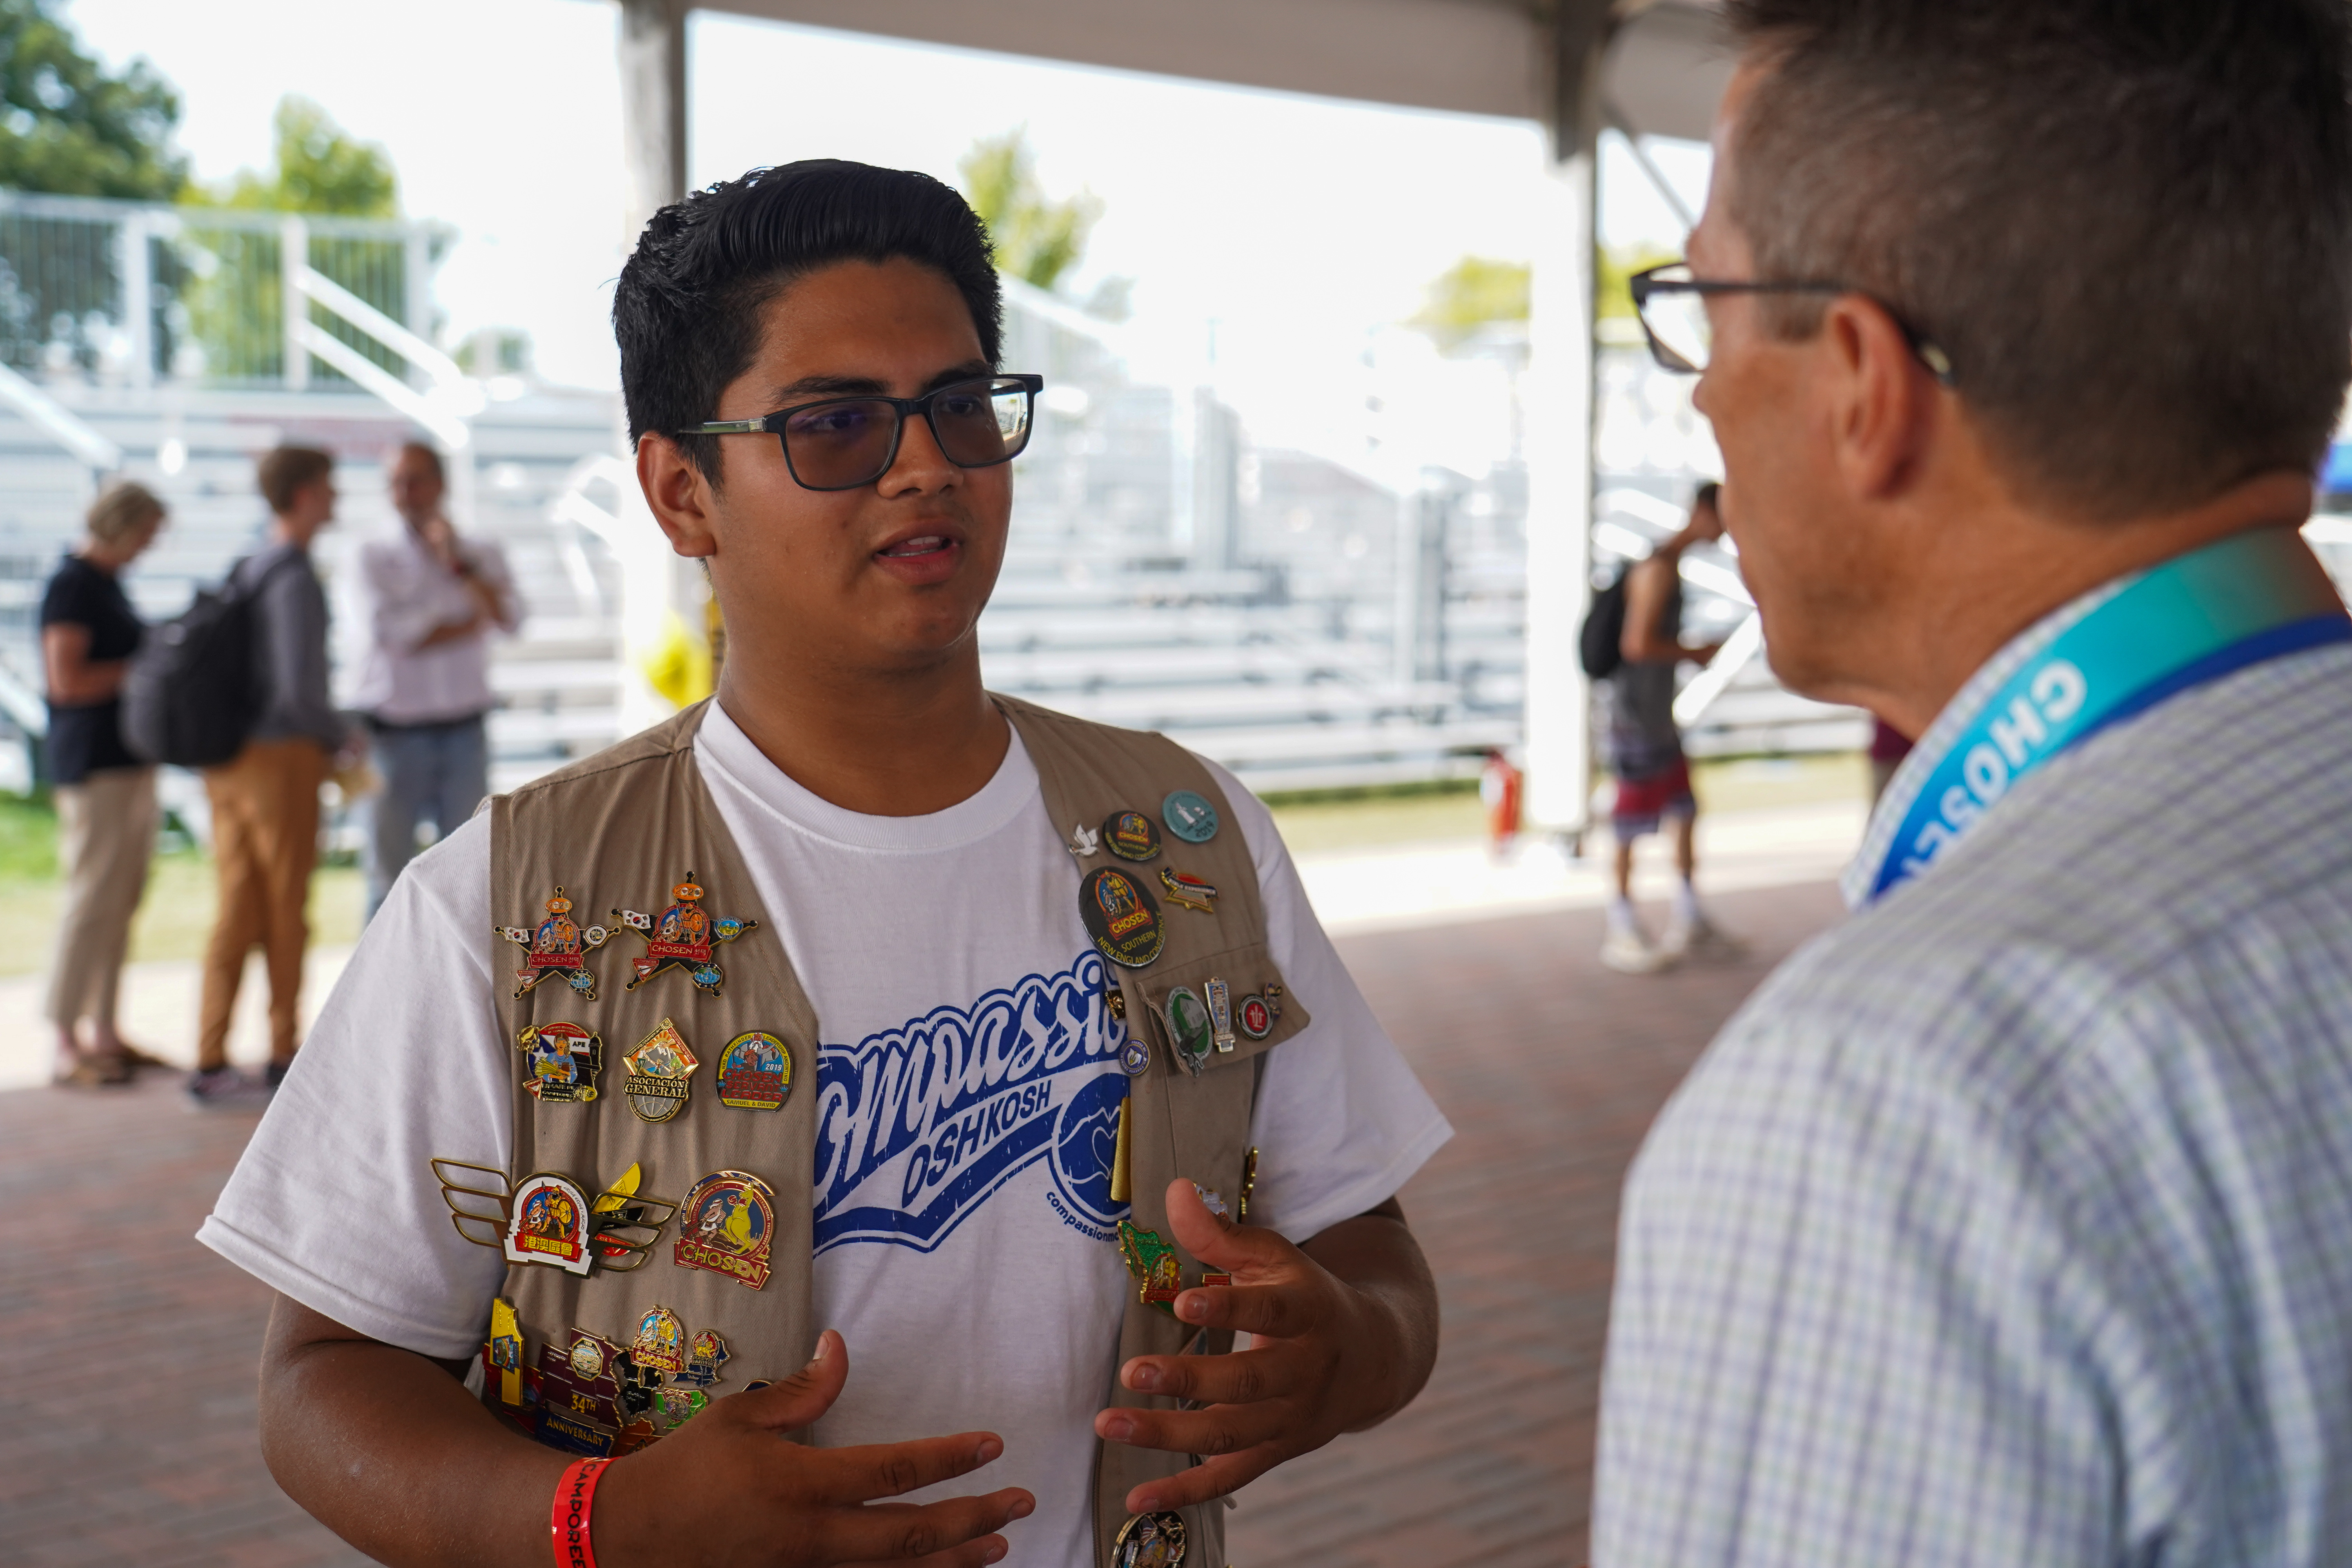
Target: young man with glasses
[2009,1224]
[895,1009]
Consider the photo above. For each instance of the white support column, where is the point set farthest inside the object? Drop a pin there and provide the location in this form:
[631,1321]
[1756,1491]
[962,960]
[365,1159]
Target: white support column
[138,298]
[662,595]
[293,255]
[1559,399]
[653,106]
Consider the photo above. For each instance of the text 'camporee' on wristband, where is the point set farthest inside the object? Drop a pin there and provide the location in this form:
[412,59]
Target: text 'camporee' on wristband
[568,1521]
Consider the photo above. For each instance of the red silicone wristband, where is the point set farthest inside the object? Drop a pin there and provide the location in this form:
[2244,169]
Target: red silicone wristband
[568,1521]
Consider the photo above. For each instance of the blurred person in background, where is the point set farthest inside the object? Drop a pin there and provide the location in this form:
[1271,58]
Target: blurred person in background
[433,599]
[1645,757]
[105,796]
[2008,1223]
[265,800]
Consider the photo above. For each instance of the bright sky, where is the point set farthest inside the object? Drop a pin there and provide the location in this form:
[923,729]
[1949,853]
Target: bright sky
[1299,225]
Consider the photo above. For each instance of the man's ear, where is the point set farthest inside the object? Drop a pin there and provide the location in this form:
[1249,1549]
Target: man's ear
[1885,407]
[679,495]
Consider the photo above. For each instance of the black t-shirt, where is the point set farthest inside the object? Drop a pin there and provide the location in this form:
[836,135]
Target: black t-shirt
[87,737]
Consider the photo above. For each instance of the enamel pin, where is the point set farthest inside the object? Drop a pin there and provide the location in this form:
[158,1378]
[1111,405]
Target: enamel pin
[549,1218]
[1084,841]
[1135,1058]
[1256,1018]
[1152,1264]
[1189,891]
[550,1223]
[660,1071]
[1190,816]
[1149,1541]
[1221,1013]
[1188,1028]
[1122,918]
[660,1344]
[729,1225]
[563,1059]
[683,936]
[1131,836]
[502,1352]
[704,1353]
[755,1072]
[1210,1201]
[558,946]
[1249,1185]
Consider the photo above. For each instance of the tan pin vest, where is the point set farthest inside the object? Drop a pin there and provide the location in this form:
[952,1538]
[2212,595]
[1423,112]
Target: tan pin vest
[620,828]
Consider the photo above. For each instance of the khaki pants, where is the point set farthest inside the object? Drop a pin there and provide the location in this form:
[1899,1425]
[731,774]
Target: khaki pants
[106,835]
[265,804]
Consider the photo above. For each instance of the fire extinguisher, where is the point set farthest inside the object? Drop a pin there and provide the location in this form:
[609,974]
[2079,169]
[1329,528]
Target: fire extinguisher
[1499,791]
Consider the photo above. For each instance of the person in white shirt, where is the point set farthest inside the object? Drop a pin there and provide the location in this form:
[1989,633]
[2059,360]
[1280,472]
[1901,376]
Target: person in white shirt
[434,600]
[2009,1225]
[964,1259]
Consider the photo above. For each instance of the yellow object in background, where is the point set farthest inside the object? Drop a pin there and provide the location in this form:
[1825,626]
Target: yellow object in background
[678,665]
[1122,1182]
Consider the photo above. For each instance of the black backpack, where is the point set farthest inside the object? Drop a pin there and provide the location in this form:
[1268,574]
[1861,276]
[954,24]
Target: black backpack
[194,691]
[1601,645]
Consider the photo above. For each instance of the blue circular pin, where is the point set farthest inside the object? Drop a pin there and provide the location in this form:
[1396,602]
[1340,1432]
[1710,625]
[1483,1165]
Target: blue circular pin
[1189,817]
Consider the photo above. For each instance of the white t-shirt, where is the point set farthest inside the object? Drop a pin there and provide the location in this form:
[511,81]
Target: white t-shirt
[969,1262]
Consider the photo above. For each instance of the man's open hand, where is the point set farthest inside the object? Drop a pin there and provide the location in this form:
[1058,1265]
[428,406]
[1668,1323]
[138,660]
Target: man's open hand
[727,1489]
[1328,1353]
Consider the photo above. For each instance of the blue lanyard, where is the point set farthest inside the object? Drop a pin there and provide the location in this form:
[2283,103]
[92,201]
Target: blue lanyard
[2194,619]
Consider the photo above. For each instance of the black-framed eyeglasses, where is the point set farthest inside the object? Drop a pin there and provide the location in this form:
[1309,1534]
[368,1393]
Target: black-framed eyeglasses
[1672,305]
[847,443]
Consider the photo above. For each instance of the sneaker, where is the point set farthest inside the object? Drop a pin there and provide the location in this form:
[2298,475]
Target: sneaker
[1703,940]
[226,1087]
[1628,952]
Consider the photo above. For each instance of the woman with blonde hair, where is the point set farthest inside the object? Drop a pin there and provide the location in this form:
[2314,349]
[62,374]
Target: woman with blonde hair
[105,796]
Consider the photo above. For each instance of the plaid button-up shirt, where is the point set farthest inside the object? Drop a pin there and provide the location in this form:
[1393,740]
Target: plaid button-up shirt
[2011,1223]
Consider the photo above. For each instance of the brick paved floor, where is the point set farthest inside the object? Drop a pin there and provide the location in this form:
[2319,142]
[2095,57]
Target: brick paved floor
[132,1348]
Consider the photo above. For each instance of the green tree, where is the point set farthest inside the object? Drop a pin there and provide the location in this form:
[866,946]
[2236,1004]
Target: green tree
[318,169]
[67,126]
[1476,290]
[1038,240]
[1468,295]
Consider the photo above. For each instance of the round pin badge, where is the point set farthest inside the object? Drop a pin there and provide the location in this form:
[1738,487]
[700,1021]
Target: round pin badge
[1149,1541]
[1256,1018]
[1190,816]
[1188,1025]
[1121,917]
[1131,836]
[1135,1058]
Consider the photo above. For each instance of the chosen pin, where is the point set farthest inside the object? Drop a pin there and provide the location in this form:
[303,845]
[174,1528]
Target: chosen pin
[683,936]
[558,946]
[1121,916]
[1131,836]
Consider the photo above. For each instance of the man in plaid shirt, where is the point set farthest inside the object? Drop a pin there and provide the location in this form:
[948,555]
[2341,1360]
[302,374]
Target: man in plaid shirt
[2011,1223]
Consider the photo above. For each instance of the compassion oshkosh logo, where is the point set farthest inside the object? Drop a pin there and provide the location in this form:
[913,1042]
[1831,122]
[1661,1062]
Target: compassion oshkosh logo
[918,1125]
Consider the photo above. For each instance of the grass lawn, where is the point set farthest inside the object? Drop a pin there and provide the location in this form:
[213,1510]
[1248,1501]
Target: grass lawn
[176,916]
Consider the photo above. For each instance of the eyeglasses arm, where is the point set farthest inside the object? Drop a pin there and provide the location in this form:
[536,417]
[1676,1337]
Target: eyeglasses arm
[728,427]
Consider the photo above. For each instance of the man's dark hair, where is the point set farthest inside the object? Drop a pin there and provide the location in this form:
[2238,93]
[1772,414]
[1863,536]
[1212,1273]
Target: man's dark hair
[284,473]
[688,308]
[2128,225]
[426,451]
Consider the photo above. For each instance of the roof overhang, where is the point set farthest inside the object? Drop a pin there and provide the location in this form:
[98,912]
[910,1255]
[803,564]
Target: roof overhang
[1473,56]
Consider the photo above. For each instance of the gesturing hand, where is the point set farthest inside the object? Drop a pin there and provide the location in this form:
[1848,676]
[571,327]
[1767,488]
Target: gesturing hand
[1328,1354]
[727,1489]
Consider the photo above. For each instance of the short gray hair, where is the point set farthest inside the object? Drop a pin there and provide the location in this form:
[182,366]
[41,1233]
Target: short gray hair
[2128,226]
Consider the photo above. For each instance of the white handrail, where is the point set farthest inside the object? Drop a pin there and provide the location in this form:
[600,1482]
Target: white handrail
[450,430]
[444,369]
[59,423]
[1746,641]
